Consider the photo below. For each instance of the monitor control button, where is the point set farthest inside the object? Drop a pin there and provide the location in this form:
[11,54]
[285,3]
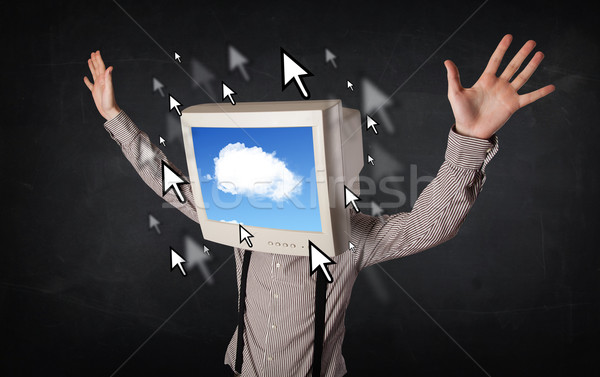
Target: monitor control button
[293,245]
[271,243]
[277,244]
[285,245]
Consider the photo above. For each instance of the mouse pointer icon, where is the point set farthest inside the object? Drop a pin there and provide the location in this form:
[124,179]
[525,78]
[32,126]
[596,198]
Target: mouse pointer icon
[157,85]
[291,69]
[319,259]
[174,104]
[245,236]
[350,197]
[171,180]
[237,60]
[371,124]
[177,260]
[228,92]
[330,57]
[153,223]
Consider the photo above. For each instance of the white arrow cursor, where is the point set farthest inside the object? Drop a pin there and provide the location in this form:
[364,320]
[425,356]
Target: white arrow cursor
[319,259]
[330,57]
[374,101]
[177,57]
[171,180]
[351,246]
[371,124]
[376,211]
[153,223]
[173,103]
[350,197]
[245,236]
[177,260]
[237,60]
[162,141]
[203,77]
[157,85]
[291,69]
[194,257]
[227,92]
[370,160]
[350,85]
[206,249]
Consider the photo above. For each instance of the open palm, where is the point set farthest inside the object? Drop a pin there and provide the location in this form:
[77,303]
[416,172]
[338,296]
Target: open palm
[102,88]
[480,111]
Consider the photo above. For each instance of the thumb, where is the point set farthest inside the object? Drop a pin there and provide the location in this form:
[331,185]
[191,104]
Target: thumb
[454,85]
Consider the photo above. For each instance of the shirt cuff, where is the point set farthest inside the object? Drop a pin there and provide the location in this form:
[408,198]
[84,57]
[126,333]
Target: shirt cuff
[470,152]
[122,129]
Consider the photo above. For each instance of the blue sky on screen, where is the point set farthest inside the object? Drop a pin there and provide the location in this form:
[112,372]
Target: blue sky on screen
[261,177]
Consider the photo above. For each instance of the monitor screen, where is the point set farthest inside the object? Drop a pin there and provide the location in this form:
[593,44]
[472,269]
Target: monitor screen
[263,177]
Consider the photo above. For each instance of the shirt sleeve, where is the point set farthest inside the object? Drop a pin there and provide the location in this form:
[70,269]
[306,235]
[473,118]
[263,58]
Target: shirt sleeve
[146,159]
[439,211]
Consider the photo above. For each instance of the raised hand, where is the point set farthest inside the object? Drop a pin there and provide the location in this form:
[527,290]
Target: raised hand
[102,88]
[480,111]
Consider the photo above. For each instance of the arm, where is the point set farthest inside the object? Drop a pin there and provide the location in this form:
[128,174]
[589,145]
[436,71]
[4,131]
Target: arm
[440,210]
[136,146]
[437,214]
[146,160]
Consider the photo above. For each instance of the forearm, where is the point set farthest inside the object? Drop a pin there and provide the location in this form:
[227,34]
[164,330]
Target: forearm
[145,157]
[440,210]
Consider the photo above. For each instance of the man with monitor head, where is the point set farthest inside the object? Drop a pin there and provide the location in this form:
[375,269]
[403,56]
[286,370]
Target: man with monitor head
[278,330]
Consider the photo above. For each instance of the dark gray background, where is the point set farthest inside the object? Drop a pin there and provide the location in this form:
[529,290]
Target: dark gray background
[84,282]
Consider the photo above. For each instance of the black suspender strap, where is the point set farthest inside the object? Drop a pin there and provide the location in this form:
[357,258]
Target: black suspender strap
[239,357]
[320,301]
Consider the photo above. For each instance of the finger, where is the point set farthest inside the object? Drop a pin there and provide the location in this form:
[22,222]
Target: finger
[88,83]
[526,99]
[100,61]
[97,64]
[522,78]
[454,85]
[92,69]
[517,60]
[496,58]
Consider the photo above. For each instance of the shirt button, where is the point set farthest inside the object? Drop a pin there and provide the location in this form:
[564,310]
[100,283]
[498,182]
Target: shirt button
[278,265]
[273,326]
[276,295]
[270,358]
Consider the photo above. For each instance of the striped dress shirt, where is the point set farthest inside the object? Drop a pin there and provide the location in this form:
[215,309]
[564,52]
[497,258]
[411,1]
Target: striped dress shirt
[280,294]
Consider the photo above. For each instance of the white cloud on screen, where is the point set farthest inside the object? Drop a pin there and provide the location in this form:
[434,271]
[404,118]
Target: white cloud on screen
[254,172]
[231,221]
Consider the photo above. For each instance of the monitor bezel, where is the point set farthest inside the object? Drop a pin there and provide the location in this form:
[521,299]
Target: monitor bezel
[277,241]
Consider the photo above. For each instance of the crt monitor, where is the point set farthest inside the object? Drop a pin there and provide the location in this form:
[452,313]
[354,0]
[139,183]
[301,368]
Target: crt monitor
[278,169]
